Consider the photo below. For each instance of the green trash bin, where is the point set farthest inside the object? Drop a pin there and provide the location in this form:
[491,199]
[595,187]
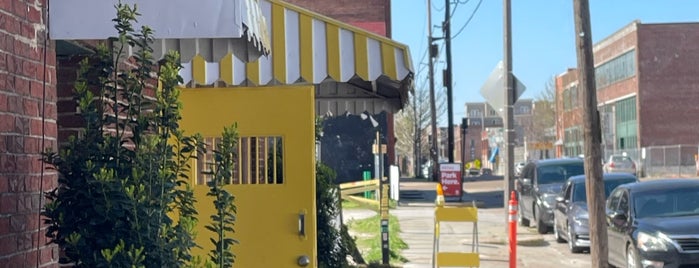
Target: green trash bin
[366,175]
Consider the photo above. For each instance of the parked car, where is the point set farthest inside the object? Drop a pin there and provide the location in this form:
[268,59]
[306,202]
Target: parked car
[540,183]
[571,217]
[620,163]
[654,224]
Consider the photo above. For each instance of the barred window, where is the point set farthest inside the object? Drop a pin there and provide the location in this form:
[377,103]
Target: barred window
[259,160]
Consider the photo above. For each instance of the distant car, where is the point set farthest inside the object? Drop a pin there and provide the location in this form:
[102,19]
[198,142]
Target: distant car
[654,224]
[518,168]
[540,183]
[571,216]
[620,163]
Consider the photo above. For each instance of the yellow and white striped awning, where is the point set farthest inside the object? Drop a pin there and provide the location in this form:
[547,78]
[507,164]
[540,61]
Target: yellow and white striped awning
[306,47]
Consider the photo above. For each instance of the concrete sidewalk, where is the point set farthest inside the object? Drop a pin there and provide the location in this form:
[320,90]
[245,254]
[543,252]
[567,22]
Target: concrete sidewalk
[416,218]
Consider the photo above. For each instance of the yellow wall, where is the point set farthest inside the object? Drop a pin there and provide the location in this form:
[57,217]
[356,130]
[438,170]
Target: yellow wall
[267,215]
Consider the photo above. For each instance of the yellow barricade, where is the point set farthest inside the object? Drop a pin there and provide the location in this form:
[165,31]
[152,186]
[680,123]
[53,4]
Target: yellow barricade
[456,214]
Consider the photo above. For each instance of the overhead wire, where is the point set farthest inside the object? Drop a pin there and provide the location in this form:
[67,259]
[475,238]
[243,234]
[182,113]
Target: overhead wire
[469,19]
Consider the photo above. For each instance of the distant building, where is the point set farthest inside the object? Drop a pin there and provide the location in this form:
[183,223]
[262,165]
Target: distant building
[647,90]
[481,117]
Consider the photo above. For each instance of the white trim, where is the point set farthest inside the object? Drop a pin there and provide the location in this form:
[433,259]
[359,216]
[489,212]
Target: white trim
[320,52]
[346,55]
[374,59]
[617,99]
[293,62]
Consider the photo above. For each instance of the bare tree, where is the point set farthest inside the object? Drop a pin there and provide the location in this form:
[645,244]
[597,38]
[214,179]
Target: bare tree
[541,127]
[412,126]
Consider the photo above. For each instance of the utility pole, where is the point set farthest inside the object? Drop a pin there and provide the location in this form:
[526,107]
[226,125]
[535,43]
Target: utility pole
[447,80]
[593,134]
[509,103]
[434,151]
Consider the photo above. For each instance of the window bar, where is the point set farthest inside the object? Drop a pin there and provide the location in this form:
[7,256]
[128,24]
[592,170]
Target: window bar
[238,162]
[254,159]
[246,161]
[262,152]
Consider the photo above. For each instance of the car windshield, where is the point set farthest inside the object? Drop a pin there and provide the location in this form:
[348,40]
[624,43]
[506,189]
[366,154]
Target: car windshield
[609,185]
[680,202]
[558,173]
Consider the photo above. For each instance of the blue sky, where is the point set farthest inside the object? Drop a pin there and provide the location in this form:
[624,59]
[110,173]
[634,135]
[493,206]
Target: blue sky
[542,34]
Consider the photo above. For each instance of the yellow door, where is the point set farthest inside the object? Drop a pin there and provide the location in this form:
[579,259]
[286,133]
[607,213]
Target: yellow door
[274,177]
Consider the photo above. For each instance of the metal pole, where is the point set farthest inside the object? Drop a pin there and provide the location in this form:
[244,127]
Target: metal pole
[434,150]
[509,101]
[383,192]
[448,82]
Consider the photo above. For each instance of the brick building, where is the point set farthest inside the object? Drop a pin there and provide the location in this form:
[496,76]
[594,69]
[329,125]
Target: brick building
[647,90]
[484,125]
[27,124]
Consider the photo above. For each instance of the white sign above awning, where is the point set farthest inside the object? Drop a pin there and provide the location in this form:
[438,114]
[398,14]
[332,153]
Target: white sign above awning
[172,21]
[90,19]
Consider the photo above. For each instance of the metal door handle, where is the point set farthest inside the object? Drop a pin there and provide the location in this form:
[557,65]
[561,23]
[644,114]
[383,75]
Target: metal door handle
[302,223]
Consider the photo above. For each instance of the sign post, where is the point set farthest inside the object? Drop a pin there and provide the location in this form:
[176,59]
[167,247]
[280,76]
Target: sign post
[451,179]
[383,205]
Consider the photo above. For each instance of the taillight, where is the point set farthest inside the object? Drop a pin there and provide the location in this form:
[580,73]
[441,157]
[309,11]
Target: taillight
[611,164]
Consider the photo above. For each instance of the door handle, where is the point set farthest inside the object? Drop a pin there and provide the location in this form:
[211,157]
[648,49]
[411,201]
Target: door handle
[302,223]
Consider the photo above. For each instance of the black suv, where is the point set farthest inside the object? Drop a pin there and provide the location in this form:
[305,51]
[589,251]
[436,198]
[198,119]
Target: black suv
[539,184]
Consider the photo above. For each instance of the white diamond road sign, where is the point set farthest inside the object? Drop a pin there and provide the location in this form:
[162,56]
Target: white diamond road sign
[494,92]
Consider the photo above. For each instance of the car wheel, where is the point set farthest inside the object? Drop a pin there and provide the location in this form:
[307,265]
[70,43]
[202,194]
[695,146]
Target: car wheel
[632,260]
[556,232]
[571,241]
[541,227]
[522,220]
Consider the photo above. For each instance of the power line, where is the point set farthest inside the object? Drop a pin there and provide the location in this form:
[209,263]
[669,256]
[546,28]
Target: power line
[469,19]
[436,8]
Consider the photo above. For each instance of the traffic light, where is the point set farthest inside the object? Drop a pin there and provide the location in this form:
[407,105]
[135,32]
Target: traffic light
[464,123]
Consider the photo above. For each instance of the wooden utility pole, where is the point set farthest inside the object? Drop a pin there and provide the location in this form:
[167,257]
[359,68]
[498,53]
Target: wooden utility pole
[448,83]
[434,151]
[593,137]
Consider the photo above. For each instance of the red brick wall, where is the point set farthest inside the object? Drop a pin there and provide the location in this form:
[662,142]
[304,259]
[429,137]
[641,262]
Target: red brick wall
[25,117]
[669,93]
[610,48]
[372,15]
[565,119]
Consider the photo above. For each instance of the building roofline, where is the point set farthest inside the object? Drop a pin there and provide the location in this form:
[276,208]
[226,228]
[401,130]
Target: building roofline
[616,35]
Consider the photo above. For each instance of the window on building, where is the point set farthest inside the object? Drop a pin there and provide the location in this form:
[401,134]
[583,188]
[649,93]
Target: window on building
[626,124]
[259,160]
[573,141]
[616,69]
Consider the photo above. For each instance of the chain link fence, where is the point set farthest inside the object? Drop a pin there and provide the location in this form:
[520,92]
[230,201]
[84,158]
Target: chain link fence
[662,161]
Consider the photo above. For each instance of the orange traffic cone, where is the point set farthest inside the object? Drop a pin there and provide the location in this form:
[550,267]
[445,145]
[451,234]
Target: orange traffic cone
[440,195]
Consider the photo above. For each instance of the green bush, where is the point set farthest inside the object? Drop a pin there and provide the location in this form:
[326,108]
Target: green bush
[123,198]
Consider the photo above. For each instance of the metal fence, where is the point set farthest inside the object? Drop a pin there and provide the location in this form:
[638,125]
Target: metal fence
[662,161]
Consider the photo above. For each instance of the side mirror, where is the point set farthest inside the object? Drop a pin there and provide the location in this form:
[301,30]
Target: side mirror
[526,182]
[560,199]
[619,217]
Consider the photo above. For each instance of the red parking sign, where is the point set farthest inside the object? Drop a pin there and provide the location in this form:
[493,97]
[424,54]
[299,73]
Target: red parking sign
[450,178]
